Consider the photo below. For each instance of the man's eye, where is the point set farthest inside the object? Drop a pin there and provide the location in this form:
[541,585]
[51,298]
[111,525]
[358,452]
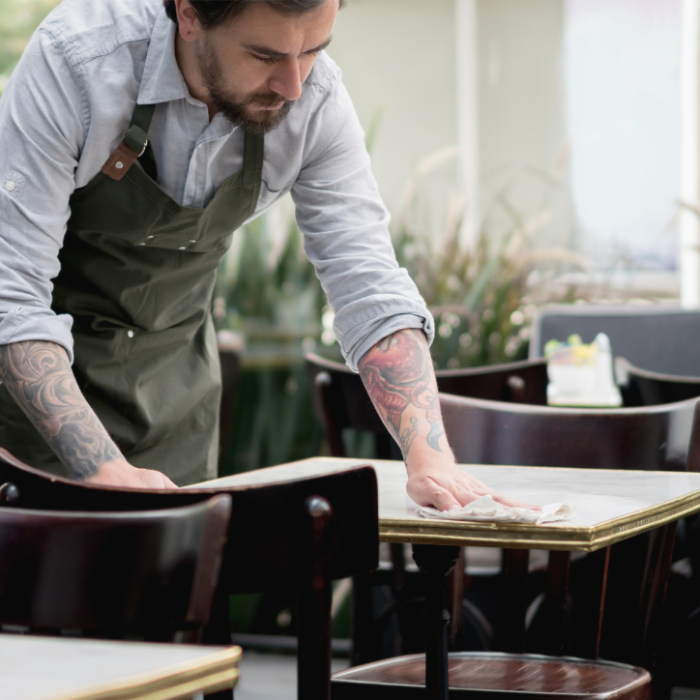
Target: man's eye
[264,59]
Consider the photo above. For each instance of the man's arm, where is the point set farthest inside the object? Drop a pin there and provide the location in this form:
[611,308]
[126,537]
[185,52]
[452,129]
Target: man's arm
[399,377]
[39,377]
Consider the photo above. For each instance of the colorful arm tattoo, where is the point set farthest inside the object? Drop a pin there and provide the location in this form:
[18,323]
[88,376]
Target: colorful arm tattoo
[398,374]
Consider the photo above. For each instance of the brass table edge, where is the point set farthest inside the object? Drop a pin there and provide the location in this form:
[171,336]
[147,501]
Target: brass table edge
[216,671]
[525,536]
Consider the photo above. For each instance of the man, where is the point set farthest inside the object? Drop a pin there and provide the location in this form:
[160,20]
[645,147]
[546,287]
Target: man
[135,137]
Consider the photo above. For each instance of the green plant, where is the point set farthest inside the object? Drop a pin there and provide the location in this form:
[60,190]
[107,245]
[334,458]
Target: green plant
[482,293]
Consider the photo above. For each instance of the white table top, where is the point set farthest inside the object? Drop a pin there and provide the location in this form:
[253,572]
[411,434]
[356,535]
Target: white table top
[611,505]
[60,668]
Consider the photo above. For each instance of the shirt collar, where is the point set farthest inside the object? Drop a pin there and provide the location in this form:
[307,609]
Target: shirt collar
[162,80]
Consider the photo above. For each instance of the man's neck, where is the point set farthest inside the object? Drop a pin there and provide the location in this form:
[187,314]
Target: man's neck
[186,57]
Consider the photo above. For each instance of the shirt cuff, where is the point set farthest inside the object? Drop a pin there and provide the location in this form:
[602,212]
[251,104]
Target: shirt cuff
[24,323]
[376,330]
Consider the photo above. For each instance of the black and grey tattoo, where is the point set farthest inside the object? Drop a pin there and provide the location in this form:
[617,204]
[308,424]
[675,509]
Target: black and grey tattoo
[39,377]
[397,374]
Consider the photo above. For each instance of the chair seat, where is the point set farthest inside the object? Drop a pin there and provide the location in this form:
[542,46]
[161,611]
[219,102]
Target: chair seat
[487,674]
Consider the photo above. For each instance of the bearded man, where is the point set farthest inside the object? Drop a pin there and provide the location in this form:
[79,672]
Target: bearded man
[135,137]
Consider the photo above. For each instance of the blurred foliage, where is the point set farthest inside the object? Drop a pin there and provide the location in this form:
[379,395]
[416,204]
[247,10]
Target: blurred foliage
[18,19]
[484,292]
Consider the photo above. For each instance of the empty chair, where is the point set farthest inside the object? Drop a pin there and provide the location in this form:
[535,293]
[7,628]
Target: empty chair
[640,387]
[644,438]
[659,338]
[341,401]
[302,533]
[147,574]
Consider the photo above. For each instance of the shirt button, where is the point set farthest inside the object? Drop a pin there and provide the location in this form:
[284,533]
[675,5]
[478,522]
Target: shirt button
[119,165]
[193,241]
[149,237]
[10,185]
[141,244]
[182,247]
[130,334]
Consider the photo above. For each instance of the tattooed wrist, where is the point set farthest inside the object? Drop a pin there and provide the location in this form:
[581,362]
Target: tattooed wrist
[398,374]
[39,377]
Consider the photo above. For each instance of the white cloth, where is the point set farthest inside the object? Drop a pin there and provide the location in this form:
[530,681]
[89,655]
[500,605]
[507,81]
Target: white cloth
[68,103]
[486,509]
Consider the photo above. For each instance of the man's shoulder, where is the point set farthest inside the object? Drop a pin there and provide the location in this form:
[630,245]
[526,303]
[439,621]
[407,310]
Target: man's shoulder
[86,29]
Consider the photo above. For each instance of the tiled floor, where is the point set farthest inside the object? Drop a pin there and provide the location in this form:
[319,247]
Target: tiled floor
[273,677]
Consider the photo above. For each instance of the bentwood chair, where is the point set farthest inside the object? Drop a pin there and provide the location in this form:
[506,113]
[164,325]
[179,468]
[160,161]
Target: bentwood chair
[341,403]
[640,387]
[303,533]
[626,581]
[146,574]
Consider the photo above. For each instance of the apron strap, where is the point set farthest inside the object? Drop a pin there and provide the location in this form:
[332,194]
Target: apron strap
[132,145]
[253,151]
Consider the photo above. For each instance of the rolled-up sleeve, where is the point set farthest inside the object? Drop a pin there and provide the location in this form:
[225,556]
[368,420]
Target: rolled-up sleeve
[346,234]
[42,127]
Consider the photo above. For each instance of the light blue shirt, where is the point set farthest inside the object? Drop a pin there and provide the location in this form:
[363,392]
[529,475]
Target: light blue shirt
[68,103]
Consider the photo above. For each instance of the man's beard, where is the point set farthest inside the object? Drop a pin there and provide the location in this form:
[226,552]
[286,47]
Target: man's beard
[237,110]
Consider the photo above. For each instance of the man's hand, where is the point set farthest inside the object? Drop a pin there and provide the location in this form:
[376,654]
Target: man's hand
[445,486]
[399,377]
[118,472]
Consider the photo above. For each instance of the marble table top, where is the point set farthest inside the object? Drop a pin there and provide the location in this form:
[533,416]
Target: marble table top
[60,668]
[611,505]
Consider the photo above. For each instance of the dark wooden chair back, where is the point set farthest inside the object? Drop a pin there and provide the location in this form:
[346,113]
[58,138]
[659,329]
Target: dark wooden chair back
[631,575]
[640,387]
[151,574]
[665,438]
[341,400]
[305,532]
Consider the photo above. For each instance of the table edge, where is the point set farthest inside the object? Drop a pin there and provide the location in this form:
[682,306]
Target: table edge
[527,536]
[210,673]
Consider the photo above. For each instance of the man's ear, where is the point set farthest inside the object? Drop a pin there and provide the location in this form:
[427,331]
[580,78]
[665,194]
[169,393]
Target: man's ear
[188,23]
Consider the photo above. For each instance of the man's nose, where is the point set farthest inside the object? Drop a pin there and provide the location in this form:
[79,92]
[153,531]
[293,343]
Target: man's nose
[287,80]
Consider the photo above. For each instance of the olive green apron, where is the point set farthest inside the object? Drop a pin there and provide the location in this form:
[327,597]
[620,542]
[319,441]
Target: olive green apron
[137,276]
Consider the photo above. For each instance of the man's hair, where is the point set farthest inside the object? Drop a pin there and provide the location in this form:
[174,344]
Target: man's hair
[213,13]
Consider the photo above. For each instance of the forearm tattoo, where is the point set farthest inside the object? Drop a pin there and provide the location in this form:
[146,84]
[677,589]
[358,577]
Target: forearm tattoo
[39,377]
[398,374]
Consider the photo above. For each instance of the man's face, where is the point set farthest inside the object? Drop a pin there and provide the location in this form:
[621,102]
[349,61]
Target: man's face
[254,67]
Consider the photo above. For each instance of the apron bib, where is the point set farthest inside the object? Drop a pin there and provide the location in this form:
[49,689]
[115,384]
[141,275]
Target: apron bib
[137,276]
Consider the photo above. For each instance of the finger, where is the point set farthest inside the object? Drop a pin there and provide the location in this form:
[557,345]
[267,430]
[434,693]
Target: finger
[442,499]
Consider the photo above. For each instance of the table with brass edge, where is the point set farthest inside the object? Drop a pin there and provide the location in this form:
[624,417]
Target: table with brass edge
[62,668]
[611,506]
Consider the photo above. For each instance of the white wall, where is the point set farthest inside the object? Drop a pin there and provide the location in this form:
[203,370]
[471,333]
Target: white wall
[399,56]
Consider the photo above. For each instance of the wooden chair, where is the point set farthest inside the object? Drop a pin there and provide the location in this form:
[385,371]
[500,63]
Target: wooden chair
[305,532]
[341,403]
[640,387]
[630,576]
[147,574]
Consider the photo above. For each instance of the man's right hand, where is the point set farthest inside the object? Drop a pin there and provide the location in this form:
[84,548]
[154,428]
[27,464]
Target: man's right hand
[118,472]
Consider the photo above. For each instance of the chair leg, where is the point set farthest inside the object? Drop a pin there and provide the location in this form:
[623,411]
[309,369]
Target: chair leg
[314,601]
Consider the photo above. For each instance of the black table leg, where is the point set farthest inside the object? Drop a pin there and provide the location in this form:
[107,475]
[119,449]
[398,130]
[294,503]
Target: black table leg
[436,562]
